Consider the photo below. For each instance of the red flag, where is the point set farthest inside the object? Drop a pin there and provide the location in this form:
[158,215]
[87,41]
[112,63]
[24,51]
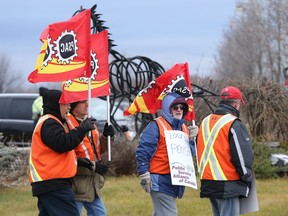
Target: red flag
[65,52]
[177,80]
[77,89]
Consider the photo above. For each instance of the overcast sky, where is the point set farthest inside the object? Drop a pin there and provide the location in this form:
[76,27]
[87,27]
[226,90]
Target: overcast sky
[168,32]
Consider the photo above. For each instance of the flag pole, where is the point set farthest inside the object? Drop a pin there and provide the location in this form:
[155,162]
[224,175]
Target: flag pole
[89,100]
[108,121]
[89,96]
[193,124]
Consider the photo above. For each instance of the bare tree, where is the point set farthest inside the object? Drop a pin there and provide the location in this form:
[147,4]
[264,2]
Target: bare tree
[10,80]
[255,44]
[277,19]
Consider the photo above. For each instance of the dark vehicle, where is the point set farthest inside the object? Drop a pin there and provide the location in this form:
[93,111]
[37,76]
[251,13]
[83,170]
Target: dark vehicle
[16,124]
[99,111]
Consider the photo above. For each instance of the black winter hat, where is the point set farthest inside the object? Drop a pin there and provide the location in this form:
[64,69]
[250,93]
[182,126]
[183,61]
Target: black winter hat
[51,100]
[42,90]
[73,105]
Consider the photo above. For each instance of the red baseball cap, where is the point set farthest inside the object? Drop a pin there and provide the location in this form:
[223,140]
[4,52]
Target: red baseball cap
[231,92]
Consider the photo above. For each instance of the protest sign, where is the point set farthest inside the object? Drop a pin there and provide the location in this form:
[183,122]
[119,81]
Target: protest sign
[180,159]
[250,204]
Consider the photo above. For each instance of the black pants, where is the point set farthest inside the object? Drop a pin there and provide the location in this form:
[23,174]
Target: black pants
[58,203]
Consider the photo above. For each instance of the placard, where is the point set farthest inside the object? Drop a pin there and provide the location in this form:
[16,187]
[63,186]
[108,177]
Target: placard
[250,204]
[180,159]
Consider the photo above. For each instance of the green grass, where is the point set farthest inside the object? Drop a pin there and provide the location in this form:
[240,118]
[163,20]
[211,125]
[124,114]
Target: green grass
[124,196]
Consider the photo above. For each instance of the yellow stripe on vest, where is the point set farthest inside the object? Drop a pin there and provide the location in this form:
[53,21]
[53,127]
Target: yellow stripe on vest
[209,156]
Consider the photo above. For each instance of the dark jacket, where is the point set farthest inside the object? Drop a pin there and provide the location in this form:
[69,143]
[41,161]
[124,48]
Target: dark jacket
[87,184]
[55,137]
[242,158]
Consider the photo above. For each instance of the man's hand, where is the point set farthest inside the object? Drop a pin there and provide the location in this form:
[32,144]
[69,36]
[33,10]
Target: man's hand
[145,181]
[193,130]
[101,168]
[108,130]
[85,162]
[88,124]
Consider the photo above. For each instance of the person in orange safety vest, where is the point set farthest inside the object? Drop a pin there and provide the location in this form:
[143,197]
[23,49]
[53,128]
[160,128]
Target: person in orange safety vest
[225,155]
[152,157]
[53,162]
[89,178]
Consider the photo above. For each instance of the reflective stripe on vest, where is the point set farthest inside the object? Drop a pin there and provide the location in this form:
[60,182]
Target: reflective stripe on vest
[45,163]
[160,163]
[37,107]
[160,120]
[209,156]
[34,176]
[85,148]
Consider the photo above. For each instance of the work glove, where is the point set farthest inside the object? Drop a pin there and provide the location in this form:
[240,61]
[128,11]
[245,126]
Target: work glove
[145,181]
[85,162]
[101,168]
[88,124]
[108,130]
[124,128]
[193,131]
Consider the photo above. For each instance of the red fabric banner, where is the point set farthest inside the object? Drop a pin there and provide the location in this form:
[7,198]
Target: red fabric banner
[65,52]
[77,89]
[177,80]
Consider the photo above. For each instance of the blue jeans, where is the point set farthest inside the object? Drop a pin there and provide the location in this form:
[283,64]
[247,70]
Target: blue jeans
[96,207]
[57,203]
[225,207]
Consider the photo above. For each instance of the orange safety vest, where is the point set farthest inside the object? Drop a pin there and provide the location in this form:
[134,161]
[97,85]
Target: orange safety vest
[44,162]
[214,157]
[85,149]
[160,163]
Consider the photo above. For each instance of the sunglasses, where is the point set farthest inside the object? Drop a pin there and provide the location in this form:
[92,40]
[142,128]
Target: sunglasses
[177,107]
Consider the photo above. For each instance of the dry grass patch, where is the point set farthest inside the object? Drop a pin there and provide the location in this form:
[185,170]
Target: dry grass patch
[123,196]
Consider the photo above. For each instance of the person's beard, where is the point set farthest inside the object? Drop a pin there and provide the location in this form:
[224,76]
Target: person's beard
[178,116]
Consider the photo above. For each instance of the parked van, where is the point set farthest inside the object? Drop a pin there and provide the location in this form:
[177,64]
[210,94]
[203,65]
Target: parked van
[16,116]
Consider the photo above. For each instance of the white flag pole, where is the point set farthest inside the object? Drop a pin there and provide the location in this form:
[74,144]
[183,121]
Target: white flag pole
[89,97]
[89,100]
[108,121]
[193,123]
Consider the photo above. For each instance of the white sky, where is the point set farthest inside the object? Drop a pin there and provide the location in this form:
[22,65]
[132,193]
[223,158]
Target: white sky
[168,32]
